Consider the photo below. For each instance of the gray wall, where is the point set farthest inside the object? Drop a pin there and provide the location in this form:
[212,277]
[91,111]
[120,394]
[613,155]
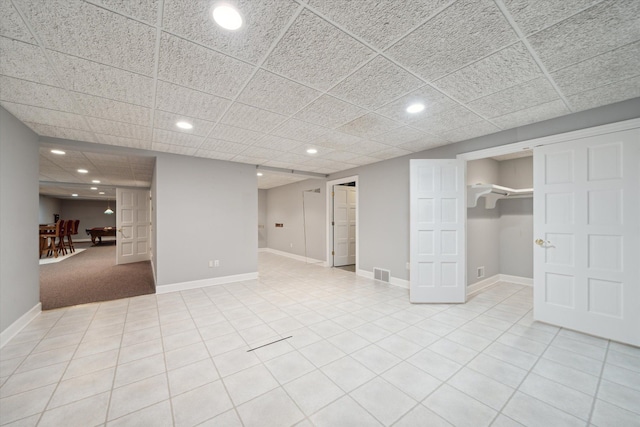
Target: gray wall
[262,218]
[48,207]
[285,206]
[90,213]
[205,210]
[19,276]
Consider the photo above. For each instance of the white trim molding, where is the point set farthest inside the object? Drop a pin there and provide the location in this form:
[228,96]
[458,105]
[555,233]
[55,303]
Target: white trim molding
[329,213]
[15,328]
[214,281]
[496,278]
[292,256]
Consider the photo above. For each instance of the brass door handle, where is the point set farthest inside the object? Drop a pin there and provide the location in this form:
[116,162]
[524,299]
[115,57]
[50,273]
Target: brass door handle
[539,242]
[543,243]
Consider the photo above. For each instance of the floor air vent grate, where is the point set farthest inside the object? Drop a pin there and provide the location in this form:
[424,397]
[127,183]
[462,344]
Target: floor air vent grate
[382,275]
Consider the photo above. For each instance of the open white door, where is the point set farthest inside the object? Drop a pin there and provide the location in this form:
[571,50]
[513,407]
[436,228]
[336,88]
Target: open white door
[586,224]
[438,215]
[133,224]
[344,225]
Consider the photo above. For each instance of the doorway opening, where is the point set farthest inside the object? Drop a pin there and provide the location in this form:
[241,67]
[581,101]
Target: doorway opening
[342,223]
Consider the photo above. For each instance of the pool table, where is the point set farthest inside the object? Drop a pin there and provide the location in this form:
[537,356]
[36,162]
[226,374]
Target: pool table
[98,232]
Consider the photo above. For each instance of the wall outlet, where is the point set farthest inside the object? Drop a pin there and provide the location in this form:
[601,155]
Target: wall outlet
[216,263]
[480,274]
[210,263]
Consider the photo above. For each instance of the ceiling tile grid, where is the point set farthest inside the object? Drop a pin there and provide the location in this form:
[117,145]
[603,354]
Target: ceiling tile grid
[333,75]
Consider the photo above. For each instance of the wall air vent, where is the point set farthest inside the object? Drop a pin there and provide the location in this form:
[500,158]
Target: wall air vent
[382,275]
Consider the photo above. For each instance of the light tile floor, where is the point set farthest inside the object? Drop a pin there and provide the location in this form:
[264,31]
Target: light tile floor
[359,354]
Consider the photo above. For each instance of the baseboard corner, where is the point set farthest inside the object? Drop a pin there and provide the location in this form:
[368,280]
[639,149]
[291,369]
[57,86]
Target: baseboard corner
[15,328]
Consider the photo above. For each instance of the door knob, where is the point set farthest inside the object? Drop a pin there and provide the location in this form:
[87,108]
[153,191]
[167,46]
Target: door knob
[539,242]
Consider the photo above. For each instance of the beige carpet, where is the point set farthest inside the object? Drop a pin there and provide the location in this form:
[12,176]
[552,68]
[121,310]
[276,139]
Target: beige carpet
[91,276]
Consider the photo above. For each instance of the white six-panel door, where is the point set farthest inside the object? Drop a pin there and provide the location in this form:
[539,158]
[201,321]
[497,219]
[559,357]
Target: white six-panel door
[133,224]
[437,231]
[586,225]
[344,228]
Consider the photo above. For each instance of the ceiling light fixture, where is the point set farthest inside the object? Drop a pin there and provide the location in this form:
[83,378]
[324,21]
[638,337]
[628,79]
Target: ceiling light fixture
[259,174]
[102,192]
[415,108]
[74,195]
[58,152]
[227,17]
[184,125]
[83,171]
[312,151]
[108,211]
[94,188]
[96,181]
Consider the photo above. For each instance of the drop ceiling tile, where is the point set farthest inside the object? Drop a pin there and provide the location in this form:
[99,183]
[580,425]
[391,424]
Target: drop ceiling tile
[26,113]
[109,109]
[234,134]
[538,113]
[223,146]
[92,78]
[127,130]
[214,155]
[59,132]
[250,160]
[324,164]
[25,61]
[470,131]
[363,160]
[615,92]
[302,150]
[192,65]
[532,16]
[524,95]
[424,143]
[369,125]
[261,152]
[192,103]
[248,117]
[316,53]
[329,112]
[278,143]
[167,121]
[435,102]
[390,153]
[30,93]
[122,141]
[610,67]
[367,148]
[263,22]
[508,67]
[300,131]
[82,29]
[271,92]
[379,22]
[12,25]
[292,158]
[375,84]
[601,28]
[337,140]
[144,10]
[340,156]
[450,119]
[399,136]
[176,138]
[465,32]
[173,149]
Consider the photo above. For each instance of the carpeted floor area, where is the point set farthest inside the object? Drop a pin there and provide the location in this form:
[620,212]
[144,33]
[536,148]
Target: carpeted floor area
[93,276]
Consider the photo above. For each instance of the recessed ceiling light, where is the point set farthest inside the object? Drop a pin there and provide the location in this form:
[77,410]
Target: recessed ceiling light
[415,108]
[259,174]
[227,17]
[96,181]
[74,195]
[312,151]
[59,152]
[83,171]
[184,125]
[94,188]
[102,192]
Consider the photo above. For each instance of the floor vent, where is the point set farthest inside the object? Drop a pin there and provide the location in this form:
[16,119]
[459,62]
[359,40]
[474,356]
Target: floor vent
[382,275]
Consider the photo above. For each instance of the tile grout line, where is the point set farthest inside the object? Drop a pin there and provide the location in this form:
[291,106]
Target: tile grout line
[595,395]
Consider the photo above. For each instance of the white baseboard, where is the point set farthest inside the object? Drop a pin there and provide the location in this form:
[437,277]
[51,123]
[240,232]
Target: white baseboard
[292,256]
[13,329]
[518,280]
[490,281]
[175,287]
[401,283]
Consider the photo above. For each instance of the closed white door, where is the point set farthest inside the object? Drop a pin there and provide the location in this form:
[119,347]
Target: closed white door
[586,225]
[133,224]
[437,223]
[344,225]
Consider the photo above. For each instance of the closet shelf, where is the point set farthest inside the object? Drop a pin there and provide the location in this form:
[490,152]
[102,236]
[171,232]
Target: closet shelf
[492,193]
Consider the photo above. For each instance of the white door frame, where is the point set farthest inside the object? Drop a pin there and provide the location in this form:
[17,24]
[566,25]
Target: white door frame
[329,206]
